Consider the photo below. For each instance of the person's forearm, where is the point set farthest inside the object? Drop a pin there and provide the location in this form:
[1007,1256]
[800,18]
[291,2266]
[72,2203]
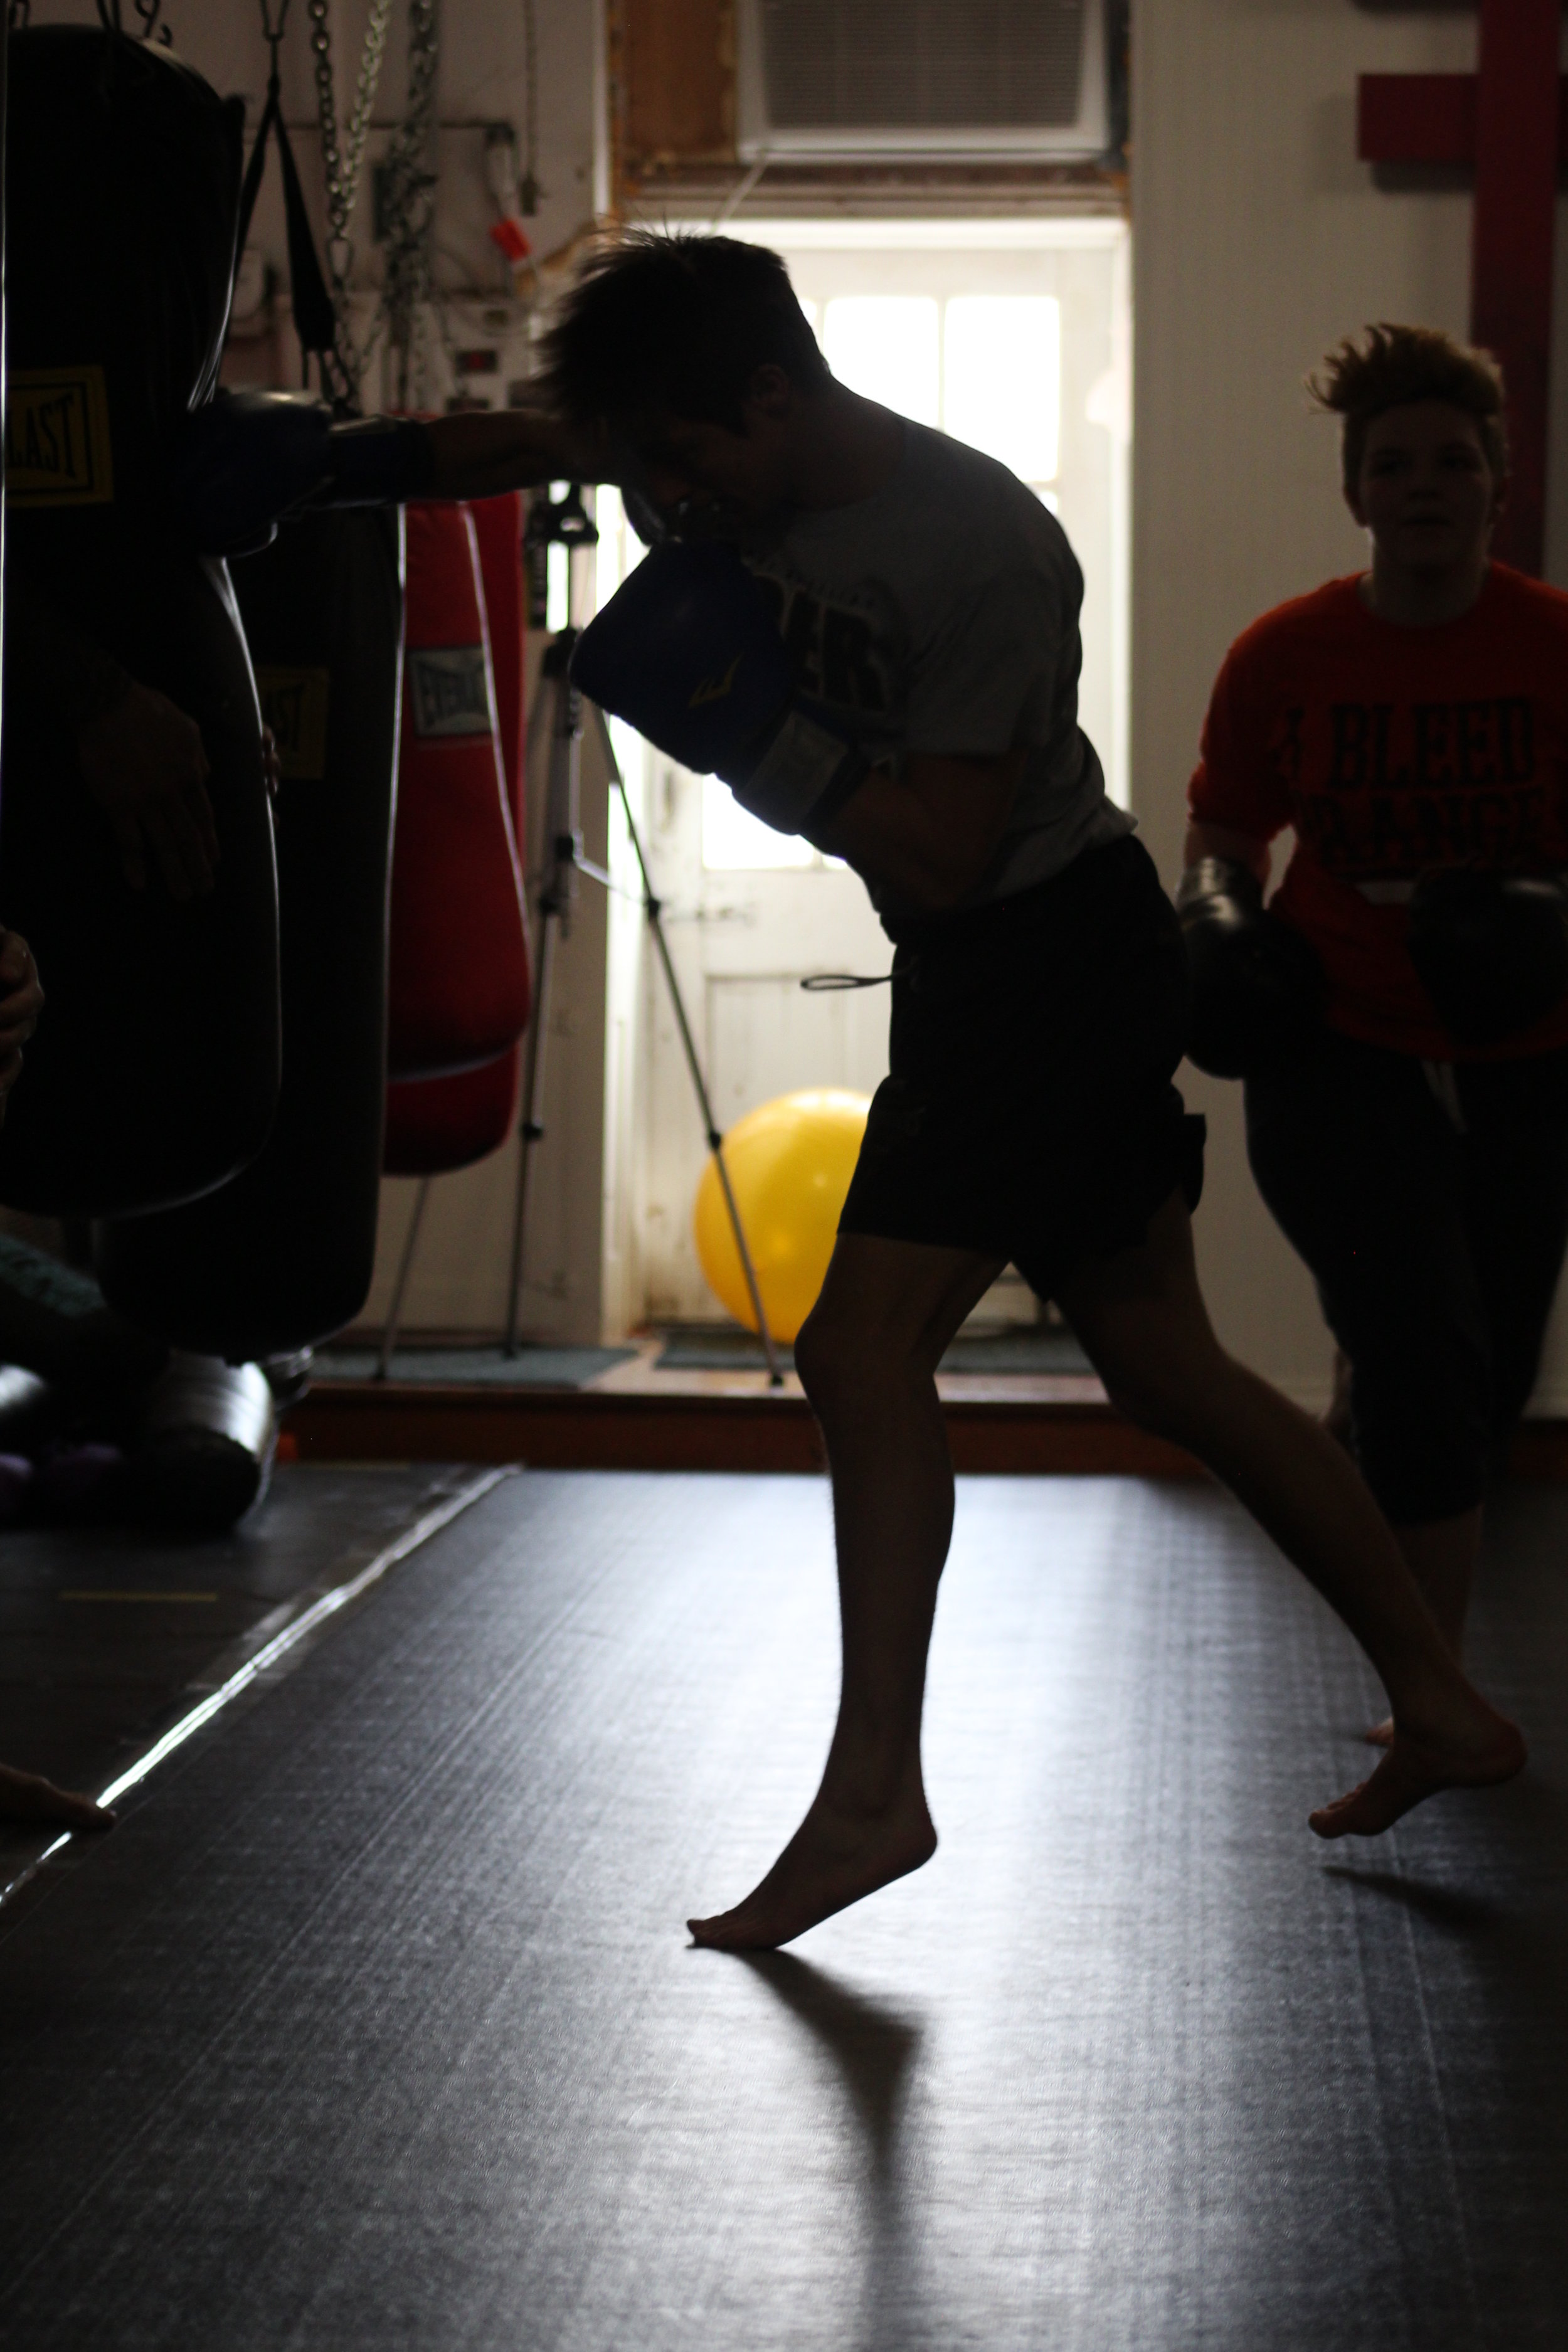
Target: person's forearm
[1221,841]
[480,453]
[926,837]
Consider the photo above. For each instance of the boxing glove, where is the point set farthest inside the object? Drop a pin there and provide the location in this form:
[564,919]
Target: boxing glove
[247,459]
[687,651]
[1256,986]
[1490,950]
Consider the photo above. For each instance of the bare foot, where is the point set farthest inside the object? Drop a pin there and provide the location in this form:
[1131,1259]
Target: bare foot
[1416,1768]
[28,1797]
[834,1858]
[1380,1735]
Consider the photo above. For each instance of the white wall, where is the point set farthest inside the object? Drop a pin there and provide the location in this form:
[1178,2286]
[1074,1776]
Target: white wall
[481,77]
[1260,241]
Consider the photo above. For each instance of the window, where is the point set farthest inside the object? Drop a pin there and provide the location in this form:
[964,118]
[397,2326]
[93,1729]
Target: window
[1002,379]
[733,836]
[985,367]
[886,347]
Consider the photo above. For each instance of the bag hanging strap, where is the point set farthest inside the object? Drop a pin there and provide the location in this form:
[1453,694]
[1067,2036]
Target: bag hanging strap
[315,318]
[110,17]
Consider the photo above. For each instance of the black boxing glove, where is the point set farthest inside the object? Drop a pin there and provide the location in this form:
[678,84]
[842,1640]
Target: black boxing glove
[1490,950]
[1256,985]
[249,459]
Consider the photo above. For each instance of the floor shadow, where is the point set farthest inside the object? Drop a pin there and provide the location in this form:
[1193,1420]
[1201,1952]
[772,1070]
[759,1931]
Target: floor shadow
[1469,2032]
[1441,1906]
[875,2049]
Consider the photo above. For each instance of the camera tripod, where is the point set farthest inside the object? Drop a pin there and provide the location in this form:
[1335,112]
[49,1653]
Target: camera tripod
[555,731]
[557,722]
[566,711]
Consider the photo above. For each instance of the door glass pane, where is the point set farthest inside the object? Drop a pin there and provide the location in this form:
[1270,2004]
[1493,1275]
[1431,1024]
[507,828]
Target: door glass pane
[733,836]
[885,347]
[1002,392]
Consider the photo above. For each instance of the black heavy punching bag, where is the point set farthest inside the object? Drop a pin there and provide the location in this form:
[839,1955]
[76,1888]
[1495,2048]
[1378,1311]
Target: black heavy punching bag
[154,1077]
[283,1256]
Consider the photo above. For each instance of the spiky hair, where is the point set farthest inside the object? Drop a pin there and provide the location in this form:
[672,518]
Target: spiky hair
[1392,366]
[676,325]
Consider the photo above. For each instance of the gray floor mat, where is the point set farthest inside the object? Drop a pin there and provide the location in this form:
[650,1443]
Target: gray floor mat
[374,2024]
[531,1368]
[724,1347]
[102,1630]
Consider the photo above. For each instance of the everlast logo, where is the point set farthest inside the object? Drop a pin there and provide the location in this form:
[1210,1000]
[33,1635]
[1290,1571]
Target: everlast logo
[1392,788]
[450,686]
[56,438]
[713,689]
[294,704]
[834,650]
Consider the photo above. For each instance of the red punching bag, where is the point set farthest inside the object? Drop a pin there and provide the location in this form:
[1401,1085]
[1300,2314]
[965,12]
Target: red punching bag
[497,529]
[435,1125]
[457,982]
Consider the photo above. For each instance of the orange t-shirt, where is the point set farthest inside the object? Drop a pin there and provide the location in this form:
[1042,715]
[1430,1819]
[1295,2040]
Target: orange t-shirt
[1391,750]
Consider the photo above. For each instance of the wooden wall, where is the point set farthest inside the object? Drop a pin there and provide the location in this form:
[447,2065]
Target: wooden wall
[672,71]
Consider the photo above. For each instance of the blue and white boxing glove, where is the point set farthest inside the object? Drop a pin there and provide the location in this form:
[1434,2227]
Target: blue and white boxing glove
[688,652]
[249,459]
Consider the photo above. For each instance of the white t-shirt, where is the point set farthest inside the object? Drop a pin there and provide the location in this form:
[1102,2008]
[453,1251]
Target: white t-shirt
[941,615]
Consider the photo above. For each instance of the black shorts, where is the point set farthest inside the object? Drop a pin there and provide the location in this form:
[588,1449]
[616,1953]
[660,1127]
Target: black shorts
[1029,1111]
[1435,1246]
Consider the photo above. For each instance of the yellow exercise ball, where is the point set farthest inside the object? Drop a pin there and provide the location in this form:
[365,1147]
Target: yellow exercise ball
[790,1161]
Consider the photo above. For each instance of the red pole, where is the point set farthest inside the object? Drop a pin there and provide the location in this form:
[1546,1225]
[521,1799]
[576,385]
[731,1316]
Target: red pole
[1510,254]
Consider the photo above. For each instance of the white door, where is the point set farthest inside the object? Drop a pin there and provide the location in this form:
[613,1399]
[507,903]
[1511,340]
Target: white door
[1013,336]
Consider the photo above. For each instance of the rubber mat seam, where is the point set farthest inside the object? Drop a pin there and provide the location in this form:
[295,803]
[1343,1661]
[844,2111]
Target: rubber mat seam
[297,1630]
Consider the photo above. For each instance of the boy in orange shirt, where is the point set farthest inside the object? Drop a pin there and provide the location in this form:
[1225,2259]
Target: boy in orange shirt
[1411,726]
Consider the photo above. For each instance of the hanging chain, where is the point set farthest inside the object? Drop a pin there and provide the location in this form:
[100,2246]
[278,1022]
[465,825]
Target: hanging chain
[528,195]
[342,167]
[410,208]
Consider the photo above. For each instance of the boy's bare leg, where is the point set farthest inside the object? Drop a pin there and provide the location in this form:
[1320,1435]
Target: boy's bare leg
[867,1358]
[1141,1318]
[1442,1556]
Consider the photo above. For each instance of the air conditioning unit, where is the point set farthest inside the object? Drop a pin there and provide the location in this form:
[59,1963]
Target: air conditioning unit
[932,78]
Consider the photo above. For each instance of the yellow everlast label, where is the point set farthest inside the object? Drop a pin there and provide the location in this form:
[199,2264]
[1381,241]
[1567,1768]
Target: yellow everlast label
[56,438]
[713,689]
[294,705]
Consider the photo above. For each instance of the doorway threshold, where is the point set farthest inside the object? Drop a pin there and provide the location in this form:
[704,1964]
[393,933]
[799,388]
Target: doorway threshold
[638,1414]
